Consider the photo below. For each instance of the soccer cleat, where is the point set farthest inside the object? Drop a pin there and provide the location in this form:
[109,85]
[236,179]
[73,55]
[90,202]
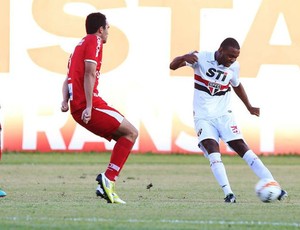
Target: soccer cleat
[283,195]
[230,198]
[117,199]
[100,192]
[105,188]
[2,193]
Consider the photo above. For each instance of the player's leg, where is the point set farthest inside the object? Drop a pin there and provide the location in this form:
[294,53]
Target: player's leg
[208,136]
[231,134]
[125,137]
[107,122]
[254,162]
[233,137]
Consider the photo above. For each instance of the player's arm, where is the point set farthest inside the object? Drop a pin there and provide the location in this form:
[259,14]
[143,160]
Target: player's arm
[65,94]
[89,82]
[184,60]
[241,93]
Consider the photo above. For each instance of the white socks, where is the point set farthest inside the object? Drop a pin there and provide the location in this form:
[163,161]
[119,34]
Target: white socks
[256,165]
[218,169]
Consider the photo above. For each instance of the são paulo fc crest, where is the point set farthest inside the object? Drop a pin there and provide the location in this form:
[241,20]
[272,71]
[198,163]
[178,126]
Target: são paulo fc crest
[213,87]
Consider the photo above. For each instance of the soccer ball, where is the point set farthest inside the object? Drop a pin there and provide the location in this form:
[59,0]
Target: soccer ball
[267,190]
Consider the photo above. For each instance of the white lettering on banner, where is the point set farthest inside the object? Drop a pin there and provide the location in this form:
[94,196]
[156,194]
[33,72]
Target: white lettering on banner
[153,110]
[267,136]
[280,107]
[138,80]
[187,142]
[48,124]
[160,130]
[183,109]
[82,136]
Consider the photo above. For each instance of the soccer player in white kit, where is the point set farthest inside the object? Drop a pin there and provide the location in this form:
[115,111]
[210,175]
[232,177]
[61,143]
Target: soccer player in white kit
[214,75]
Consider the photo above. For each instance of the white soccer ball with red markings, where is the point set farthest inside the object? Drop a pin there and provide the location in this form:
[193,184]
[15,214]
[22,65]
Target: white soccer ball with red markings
[267,190]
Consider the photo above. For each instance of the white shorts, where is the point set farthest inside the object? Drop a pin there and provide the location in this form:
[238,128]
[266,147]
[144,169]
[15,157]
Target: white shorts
[224,128]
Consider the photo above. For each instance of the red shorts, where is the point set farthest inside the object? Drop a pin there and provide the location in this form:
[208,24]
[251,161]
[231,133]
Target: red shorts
[104,122]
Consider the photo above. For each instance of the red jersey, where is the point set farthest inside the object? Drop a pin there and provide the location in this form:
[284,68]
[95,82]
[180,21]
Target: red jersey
[88,49]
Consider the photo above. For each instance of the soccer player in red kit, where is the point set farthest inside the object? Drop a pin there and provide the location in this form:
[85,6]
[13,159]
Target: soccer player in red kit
[90,110]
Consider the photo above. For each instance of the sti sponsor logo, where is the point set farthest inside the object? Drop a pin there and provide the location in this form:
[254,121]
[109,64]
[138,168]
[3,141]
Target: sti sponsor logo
[218,74]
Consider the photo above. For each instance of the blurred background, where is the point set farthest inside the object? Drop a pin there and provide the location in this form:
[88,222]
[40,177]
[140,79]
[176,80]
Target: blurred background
[37,37]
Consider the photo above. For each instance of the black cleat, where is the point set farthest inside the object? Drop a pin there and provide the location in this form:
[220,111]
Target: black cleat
[283,195]
[230,198]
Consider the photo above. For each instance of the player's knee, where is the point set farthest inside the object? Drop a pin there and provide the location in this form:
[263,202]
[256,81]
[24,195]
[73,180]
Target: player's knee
[210,146]
[133,134]
[239,146]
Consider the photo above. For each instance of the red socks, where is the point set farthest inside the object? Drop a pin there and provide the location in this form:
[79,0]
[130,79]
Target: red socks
[118,158]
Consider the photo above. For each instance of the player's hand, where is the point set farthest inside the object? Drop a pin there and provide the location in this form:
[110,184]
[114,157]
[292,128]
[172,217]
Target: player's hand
[86,115]
[64,106]
[191,57]
[254,111]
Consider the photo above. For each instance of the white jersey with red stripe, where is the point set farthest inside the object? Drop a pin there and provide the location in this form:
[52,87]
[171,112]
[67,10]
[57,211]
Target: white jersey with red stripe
[212,86]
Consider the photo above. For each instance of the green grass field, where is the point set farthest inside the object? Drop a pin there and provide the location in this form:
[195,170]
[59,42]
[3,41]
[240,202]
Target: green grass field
[57,191]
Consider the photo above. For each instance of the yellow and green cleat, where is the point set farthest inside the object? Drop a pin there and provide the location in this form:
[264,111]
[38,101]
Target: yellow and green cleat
[106,190]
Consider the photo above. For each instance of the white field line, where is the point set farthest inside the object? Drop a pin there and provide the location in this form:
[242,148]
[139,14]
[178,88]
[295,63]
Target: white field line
[195,222]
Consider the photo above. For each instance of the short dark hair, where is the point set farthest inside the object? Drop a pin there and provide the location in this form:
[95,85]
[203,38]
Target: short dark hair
[94,21]
[230,42]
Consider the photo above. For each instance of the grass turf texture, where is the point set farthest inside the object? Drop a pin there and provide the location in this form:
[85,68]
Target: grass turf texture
[57,191]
